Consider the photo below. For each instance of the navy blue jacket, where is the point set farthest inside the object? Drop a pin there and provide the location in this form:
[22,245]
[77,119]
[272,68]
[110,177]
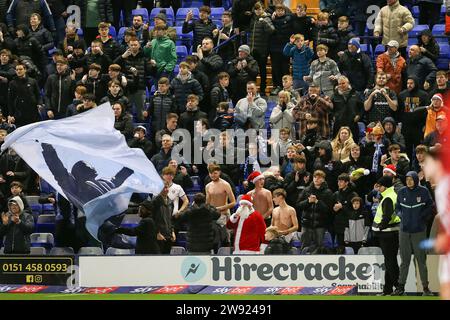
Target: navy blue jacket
[414,206]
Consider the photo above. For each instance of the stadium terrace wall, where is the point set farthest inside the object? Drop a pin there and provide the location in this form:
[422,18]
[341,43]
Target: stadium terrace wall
[365,271]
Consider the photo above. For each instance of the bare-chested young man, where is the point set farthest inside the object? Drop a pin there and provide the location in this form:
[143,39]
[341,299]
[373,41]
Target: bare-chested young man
[262,198]
[284,216]
[219,194]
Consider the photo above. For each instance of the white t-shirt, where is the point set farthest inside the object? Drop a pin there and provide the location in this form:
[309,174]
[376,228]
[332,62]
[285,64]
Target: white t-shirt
[175,193]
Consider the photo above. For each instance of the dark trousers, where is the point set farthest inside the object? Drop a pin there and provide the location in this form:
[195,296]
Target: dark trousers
[261,59]
[389,244]
[310,235]
[429,13]
[280,67]
[355,246]
[165,246]
[126,6]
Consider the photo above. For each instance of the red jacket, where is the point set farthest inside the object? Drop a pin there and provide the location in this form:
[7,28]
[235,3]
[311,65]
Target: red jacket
[249,233]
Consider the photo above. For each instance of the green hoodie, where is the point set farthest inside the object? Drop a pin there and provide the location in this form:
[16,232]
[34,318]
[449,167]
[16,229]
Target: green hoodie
[163,52]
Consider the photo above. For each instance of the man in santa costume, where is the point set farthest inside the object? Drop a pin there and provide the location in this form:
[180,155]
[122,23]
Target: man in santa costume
[249,227]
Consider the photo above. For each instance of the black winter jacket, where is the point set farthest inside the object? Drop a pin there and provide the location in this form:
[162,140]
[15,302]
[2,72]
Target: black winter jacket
[343,37]
[327,35]
[114,99]
[315,215]
[163,216]
[211,65]
[44,37]
[30,47]
[111,48]
[23,98]
[200,220]
[240,78]
[181,90]
[188,118]
[345,109]
[7,71]
[144,144]
[304,26]
[139,62]
[341,217]
[102,60]
[59,92]
[423,68]
[17,236]
[432,48]
[160,106]
[261,29]
[240,7]
[146,233]
[283,31]
[125,125]
[357,68]
[200,30]
[295,188]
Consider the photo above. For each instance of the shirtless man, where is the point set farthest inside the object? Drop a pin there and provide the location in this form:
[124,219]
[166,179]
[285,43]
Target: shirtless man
[219,194]
[284,216]
[262,198]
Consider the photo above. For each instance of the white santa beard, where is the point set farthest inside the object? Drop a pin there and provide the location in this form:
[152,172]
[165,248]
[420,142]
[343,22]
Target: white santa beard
[244,212]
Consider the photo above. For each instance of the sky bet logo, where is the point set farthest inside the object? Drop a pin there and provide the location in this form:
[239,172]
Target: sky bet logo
[193,269]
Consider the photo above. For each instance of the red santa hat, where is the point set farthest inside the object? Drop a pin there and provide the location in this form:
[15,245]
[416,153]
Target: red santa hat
[390,168]
[255,176]
[246,199]
[438,96]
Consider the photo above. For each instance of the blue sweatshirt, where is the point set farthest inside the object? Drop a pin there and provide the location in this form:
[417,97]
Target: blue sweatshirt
[414,206]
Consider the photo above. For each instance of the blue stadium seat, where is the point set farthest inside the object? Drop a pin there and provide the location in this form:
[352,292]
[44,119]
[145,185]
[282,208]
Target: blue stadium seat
[367,49]
[379,49]
[216,13]
[112,32]
[177,251]
[412,41]
[224,251]
[438,29]
[45,223]
[417,30]
[130,221]
[36,208]
[44,240]
[349,250]
[152,90]
[181,53]
[169,14]
[61,251]
[197,184]
[327,240]
[117,252]
[444,56]
[182,13]
[176,70]
[90,251]
[48,208]
[121,34]
[227,4]
[38,251]
[141,12]
[184,39]
[415,11]
[370,250]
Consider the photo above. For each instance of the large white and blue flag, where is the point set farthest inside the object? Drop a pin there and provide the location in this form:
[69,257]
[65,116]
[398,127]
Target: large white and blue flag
[87,161]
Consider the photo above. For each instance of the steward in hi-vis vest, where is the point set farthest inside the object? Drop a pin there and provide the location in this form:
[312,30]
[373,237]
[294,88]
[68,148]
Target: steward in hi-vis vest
[386,225]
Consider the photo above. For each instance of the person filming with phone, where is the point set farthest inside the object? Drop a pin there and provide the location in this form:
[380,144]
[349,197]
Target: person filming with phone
[16,227]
